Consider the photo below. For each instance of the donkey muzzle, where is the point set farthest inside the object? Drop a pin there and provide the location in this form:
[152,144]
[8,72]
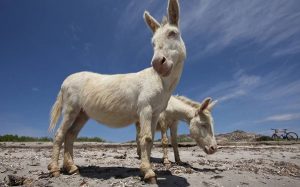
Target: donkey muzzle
[210,149]
[162,66]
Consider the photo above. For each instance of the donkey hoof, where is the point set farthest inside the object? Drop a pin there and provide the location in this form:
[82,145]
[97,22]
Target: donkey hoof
[73,169]
[151,180]
[54,170]
[55,173]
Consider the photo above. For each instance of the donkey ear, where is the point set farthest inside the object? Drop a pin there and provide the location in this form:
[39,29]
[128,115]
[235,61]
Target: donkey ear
[212,104]
[205,104]
[173,12]
[151,22]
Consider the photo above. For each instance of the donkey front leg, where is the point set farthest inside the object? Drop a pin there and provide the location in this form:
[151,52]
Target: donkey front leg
[165,143]
[147,124]
[71,135]
[173,130]
[68,119]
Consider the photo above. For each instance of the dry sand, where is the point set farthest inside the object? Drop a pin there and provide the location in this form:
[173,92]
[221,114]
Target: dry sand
[117,165]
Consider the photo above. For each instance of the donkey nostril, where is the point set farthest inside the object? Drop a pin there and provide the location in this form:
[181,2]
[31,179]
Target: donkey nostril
[163,60]
[212,148]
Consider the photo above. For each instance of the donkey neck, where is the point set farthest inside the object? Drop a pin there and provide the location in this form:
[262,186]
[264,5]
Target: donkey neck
[170,82]
[181,111]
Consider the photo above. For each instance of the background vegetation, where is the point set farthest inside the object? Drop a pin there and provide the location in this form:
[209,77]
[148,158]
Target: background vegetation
[16,138]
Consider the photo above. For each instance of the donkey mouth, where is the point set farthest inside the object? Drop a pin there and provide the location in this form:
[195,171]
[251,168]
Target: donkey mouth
[209,150]
[163,71]
[167,72]
[167,69]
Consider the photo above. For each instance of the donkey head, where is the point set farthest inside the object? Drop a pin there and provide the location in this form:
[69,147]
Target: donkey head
[169,49]
[202,129]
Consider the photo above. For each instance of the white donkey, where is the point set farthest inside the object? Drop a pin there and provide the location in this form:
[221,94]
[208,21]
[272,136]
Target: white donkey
[200,121]
[122,99]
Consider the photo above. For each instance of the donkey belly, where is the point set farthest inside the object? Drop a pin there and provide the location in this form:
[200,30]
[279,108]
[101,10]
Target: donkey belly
[112,111]
[113,119]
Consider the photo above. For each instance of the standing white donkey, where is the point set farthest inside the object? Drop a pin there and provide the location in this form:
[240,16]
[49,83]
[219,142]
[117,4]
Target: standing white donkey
[122,99]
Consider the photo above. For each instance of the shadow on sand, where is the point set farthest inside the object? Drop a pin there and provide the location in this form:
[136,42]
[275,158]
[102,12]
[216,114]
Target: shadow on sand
[186,165]
[165,178]
[156,160]
[203,170]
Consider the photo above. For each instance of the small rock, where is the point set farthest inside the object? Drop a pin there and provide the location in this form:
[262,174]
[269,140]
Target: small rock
[188,170]
[121,156]
[217,177]
[2,170]
[28,182]
[84,184]
[43,175]
[13,180]
[244,183]
[34,163]
[209,183]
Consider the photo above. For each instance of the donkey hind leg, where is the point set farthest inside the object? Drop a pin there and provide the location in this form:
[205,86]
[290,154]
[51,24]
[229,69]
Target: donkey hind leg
[165,144]
[69,117]
[70,137]
[148,126]
[138,137]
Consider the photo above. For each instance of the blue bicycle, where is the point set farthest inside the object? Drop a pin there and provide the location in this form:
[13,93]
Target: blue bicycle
[283,134]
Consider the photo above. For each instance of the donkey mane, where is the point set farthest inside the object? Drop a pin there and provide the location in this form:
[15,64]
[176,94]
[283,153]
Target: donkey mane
[188,101]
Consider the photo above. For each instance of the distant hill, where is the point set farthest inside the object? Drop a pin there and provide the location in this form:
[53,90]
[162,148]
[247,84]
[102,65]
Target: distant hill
[235,136]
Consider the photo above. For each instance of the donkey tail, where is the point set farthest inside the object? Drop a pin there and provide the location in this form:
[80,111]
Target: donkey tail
[55,112]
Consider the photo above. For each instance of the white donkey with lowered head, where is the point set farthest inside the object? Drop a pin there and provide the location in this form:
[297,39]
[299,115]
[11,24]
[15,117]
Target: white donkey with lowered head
[122,99]
[199,118]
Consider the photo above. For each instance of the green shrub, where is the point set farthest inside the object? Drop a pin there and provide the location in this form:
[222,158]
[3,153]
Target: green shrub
[264,138]
[16,138]
[184,138]
[89,139]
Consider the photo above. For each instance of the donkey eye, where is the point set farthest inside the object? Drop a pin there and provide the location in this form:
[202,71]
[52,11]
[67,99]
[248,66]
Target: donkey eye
[172,34]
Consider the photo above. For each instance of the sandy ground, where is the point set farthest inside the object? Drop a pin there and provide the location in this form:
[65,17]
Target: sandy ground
[117,165]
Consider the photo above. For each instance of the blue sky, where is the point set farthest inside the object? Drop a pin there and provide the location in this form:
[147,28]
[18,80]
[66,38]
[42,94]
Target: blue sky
[244,53]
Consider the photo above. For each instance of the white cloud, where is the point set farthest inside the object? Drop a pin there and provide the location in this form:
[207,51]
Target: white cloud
[233,95]
[245,80]
[281,117]
[74,32]
[273,24]
[274,87]
[294,49]
[216,25]
[280,90]
[132,14]
[35,89]
[241,84]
